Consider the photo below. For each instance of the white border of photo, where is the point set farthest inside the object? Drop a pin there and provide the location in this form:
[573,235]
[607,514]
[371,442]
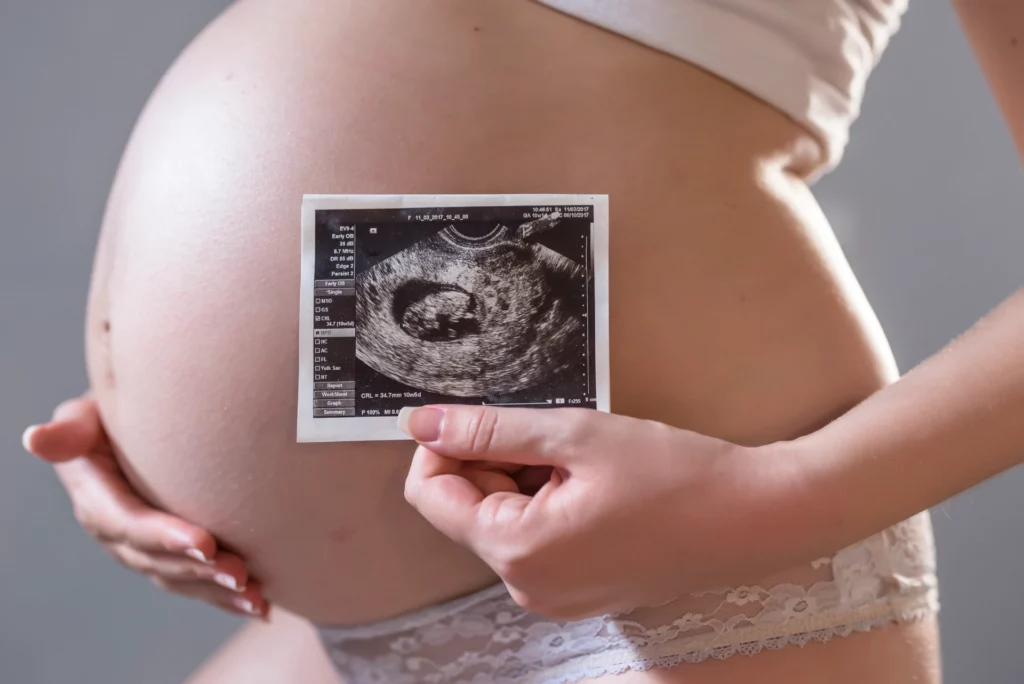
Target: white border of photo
[374,428]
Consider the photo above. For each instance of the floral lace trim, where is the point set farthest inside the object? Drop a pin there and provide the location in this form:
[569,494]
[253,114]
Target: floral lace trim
[485,638]
[748,648]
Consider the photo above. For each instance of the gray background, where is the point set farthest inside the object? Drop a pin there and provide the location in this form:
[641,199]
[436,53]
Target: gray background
[927,205]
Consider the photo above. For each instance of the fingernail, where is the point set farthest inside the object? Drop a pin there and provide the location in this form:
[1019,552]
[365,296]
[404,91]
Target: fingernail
[421,423]
[246,605]
[196,554]
[227,581]
[26,436]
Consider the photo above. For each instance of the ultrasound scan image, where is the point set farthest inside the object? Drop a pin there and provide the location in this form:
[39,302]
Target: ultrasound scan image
[472,315]
[407,306]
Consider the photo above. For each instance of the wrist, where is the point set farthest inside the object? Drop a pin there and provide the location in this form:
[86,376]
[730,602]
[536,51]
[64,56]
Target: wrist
[805,499]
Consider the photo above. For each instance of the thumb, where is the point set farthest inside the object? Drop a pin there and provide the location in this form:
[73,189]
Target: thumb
[74,430]
[531,437]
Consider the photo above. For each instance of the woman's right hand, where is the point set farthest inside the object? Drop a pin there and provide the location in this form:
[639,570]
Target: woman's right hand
[174,554]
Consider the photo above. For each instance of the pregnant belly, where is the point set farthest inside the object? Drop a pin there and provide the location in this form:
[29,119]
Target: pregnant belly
[731,310]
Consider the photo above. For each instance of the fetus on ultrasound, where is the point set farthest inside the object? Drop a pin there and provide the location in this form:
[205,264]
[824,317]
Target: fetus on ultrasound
[472,316]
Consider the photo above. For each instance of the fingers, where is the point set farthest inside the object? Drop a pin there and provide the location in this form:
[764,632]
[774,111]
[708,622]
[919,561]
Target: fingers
[107,507]
[478,507]
[554,437]
[74,430]
[225,570]
[446,499]
[481,504]
[222,581]
[154,531]
[249,602]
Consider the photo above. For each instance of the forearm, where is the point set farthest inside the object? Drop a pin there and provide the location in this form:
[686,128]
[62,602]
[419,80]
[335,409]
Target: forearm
[952,422]
[958,418]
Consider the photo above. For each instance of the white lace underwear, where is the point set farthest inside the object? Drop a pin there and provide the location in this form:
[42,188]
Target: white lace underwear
[485,638]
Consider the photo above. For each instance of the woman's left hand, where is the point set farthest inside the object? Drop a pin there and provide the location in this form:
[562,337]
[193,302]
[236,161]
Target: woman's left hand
[582,513]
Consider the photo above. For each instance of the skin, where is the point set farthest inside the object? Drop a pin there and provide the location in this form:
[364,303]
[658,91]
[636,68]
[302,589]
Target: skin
[950,423]
[753,328]
[283,649]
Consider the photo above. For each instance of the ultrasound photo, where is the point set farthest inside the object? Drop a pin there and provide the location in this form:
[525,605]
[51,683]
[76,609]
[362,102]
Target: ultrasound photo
[461,299]
[473,316]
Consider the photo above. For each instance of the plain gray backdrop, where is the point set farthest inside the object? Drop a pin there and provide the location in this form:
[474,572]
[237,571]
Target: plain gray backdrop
[927,205]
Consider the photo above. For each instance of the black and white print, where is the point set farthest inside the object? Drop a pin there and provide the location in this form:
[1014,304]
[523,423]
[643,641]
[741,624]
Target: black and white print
[449,299]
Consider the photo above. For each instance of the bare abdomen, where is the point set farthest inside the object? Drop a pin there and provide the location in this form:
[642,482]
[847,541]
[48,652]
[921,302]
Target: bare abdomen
[727,314]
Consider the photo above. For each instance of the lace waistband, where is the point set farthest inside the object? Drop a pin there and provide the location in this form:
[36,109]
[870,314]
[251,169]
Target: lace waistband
[486,637]
[416,620]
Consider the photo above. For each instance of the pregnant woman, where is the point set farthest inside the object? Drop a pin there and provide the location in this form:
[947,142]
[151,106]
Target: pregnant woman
[733,314]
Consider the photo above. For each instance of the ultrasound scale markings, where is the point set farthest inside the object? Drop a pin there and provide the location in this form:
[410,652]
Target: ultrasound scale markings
[516,403]
[586,292]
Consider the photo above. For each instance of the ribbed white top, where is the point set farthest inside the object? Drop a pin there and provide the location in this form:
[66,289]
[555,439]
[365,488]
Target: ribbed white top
[809,58]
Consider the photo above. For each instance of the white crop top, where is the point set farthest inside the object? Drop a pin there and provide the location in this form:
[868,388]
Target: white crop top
[808,58]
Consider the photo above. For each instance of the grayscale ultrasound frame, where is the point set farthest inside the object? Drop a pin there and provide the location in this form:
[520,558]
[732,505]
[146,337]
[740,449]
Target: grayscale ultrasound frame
[403,304]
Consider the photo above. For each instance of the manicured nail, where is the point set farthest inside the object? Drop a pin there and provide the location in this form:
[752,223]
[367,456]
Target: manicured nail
[196,554]
[227,581]
[245,605]
[421,423]
[26,436]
